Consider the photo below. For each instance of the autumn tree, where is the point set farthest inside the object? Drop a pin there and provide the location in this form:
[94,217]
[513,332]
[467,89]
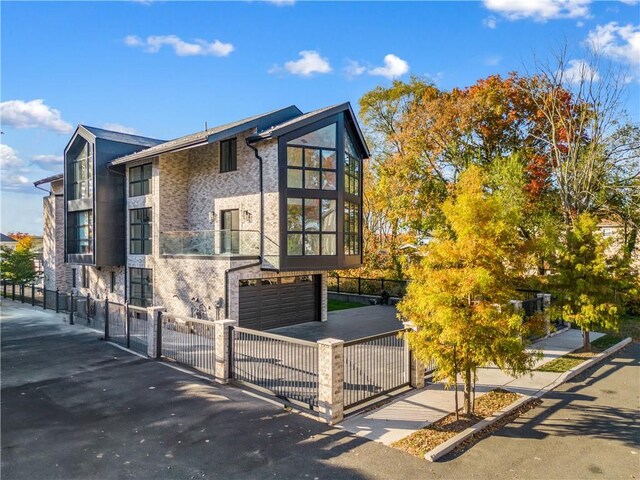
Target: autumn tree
[18,265]
[587,278]
[459,293]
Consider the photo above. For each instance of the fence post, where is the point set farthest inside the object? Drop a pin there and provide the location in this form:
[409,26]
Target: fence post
[222,334]
[359,286]
[338,284]
[152,332]
[331,379]
[382,289]
[159,335]
[4,289]
[57,300]
[33,295]
[22,292]
[44,298]
[71,308]
[13,292]
[127,324]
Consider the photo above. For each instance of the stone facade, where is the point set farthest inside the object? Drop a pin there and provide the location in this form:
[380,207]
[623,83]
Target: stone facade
[57,274]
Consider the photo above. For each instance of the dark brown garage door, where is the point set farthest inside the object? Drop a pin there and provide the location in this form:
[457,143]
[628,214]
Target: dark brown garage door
[275,302]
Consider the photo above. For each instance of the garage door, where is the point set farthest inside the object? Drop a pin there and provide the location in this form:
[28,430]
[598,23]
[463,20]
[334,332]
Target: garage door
[275,302]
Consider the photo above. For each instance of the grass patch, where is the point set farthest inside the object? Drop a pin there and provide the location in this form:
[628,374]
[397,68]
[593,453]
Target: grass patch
[334,305]
[426,439]
[575,358]
[605,342]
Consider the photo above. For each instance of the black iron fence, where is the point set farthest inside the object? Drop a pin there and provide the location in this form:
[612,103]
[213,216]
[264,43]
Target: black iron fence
[375,366]
[366,286]
[284,366]
[188,340]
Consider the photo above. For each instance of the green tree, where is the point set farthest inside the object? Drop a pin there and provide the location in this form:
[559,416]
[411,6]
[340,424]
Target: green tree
[587,279]
[18,265]
[459,296]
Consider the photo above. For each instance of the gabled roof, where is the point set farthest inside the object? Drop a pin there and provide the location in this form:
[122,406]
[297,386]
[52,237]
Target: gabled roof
[260,122]
[50,179]
[312,117]
[122,137]
[5,238]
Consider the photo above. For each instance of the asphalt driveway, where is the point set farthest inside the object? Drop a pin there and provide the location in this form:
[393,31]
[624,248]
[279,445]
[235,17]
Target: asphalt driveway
[74,407]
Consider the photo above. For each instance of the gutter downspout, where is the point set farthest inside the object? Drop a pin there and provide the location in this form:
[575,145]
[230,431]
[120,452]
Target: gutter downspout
[255,152]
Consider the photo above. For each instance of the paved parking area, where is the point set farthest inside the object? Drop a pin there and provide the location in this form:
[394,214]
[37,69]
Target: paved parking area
[348,324]
[74,407]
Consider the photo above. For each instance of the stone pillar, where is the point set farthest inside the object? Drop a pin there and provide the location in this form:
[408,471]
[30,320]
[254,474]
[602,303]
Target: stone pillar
[416,367]
[546,303]
[331,380]
[222,333]
[152,331]
[517,304]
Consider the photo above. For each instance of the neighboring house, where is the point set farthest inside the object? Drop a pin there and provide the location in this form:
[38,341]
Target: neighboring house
[239,221]
[7,241]
[617,233]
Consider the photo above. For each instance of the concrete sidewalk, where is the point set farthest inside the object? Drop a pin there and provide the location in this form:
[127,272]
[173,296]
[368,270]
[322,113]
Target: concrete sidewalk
[419,408]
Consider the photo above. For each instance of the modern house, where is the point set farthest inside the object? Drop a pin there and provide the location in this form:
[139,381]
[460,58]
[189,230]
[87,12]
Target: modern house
[7,242]
[240,221]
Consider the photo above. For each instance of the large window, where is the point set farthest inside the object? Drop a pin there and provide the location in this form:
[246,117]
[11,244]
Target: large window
[351,228]
[140,231]
[80,172]
[140,180]
[311,160]
[80,232]
[228,155]
[351,168]
[141,287]
[311,226]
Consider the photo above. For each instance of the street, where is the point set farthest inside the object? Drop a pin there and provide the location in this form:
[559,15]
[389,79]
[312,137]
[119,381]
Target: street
[74,407]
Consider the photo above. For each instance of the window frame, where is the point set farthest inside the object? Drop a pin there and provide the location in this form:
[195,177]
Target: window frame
[137,277]
[229,164]
[352,241]
[321,233]
[146,241]
[74,279]
[112,286]
[145,182]
[75,240]
[85,277]
[78,184]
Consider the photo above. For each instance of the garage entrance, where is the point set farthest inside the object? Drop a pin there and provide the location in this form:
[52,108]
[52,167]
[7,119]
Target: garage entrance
[267,303]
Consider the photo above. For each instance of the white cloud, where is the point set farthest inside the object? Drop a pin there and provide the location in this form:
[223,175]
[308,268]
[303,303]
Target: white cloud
[619,42]
[9,157]
[539,10]
[393,67]
[492,60]
[354,68]
[310,62]
[630,2]
[117,127]
[578,71]
[490,22]
[48,162]
[154,43]
[32,114]
[282,3]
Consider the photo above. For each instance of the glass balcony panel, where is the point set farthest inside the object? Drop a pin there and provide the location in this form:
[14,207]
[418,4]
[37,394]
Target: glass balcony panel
[229,243]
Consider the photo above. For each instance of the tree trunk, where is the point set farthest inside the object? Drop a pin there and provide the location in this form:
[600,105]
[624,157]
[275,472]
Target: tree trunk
[467,392]
[586,344]
[455,368]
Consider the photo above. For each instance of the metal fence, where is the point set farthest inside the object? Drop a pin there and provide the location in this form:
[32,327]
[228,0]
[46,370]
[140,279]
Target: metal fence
[366,286]
[532,305]
[284,366]
[374,366]
[137,329]
[189,341]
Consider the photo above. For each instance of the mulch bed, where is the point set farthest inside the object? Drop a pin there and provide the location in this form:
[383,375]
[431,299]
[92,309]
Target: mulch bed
[426,439]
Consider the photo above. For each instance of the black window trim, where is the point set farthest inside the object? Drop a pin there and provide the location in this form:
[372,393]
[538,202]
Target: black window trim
[73,228]
[232,164]
[144,240]
[142,179]
[147,301]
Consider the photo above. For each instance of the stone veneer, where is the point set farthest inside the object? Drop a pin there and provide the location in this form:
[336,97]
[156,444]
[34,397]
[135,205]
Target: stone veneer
[57,274]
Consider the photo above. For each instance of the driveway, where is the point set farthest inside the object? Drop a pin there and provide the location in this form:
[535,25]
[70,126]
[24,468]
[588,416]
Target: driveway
[348,324]
[74,407]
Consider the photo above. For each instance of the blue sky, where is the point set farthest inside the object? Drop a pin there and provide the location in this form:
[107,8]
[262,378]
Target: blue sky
[162,69]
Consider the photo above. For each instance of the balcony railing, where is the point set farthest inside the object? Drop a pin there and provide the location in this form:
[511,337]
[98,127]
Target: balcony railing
[230,243]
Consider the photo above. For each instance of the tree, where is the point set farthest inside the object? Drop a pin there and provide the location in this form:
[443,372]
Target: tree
[17,265]
[460,291]
[587,279]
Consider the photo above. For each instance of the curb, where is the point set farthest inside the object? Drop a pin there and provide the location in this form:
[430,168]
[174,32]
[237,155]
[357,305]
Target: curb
[452,443]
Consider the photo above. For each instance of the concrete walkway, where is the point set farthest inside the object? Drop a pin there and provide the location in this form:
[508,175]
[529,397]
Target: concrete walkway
[419,408]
